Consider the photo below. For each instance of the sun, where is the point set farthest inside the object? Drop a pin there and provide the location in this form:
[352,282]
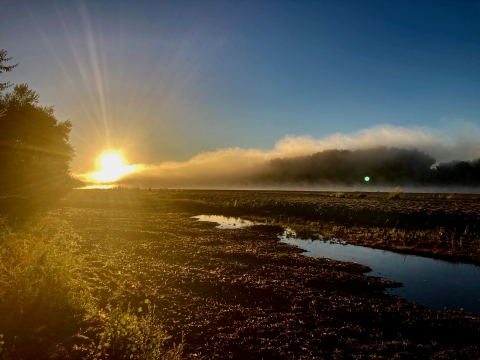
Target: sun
[112,167]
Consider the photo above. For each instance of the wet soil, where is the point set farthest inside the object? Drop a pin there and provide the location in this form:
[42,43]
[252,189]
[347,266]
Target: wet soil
[443,226]
[241,294]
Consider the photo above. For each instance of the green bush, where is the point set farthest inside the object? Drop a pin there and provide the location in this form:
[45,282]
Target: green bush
[133,334]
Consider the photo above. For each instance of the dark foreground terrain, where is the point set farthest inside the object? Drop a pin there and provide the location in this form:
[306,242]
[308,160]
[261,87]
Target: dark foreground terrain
[241,294]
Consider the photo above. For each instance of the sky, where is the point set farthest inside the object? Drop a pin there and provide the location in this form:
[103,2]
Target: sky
[218,84]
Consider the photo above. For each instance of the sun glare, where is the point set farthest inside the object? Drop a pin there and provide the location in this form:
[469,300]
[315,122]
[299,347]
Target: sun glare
[112,168]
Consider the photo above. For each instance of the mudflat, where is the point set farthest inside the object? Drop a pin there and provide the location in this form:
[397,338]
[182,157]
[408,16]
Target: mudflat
[240,293]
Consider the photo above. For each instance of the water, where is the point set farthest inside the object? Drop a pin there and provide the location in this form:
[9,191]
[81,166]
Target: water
[436,284]
[225,222]
[433,283]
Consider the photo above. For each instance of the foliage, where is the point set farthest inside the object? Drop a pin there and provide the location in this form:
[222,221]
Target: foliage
[5,68]
[384,166]
[41,290]
[34,150]
[45,299]
[133,334]
[457,172]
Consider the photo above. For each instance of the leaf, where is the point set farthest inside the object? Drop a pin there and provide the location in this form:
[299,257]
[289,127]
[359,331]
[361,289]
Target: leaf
[140,309]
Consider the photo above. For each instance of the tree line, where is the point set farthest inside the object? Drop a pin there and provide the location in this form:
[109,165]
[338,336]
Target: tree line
[377,166]
[35,152]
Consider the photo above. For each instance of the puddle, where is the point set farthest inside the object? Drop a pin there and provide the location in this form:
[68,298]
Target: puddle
[434,283]
[225,222]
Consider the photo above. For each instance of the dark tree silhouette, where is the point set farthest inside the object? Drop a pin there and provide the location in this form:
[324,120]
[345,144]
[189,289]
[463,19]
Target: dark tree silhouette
[382,165]
[5,68]
[35,152]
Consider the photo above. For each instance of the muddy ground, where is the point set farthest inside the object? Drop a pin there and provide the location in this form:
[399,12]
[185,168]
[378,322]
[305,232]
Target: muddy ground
[442,226]
[240,294]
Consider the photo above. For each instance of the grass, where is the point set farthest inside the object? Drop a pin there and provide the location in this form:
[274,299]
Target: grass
[446,196]
[461,245]
[133,334]
[41,289]
[351,195]
[44,299]
[410,226]
[395,194]
[219,284]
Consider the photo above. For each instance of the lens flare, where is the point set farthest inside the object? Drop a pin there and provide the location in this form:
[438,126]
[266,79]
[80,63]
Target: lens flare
[367,178]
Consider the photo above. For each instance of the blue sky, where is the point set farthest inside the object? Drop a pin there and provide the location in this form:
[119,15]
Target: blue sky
[166,80]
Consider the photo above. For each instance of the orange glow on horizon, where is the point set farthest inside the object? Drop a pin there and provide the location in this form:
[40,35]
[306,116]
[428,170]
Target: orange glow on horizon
[112,168]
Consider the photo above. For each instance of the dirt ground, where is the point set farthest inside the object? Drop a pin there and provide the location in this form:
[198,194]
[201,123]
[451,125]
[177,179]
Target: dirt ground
[241,294]
[443,226]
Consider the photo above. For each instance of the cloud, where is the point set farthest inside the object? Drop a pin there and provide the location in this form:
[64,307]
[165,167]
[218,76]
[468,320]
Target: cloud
[233,166]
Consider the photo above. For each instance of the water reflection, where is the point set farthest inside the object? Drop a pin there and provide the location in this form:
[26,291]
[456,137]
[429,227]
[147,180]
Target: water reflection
[433,283]
[225,222]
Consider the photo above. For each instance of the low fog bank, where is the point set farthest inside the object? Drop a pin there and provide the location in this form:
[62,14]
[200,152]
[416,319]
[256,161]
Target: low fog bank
[418,159]
[377,169]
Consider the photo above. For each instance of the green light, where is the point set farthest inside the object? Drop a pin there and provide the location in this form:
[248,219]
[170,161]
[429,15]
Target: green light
[367,178]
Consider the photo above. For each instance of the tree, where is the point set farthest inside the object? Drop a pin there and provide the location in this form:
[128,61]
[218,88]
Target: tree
[5,68]
[35,152]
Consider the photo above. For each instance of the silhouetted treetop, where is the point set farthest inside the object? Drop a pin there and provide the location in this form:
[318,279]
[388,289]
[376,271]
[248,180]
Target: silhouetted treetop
[5,68]
[35,152]
[383,166]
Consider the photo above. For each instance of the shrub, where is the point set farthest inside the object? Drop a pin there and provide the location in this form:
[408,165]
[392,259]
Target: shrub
[133,334]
